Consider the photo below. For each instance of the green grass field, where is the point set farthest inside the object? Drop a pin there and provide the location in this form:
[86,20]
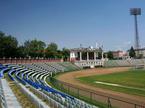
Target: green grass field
[132,81]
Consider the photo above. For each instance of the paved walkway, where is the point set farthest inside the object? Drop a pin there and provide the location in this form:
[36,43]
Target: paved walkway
[10,98]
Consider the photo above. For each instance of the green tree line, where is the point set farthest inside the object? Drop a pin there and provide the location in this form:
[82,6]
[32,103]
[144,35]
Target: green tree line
[9,47]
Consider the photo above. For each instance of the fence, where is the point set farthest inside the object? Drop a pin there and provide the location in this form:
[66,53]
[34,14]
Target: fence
[26,60]
[94,97]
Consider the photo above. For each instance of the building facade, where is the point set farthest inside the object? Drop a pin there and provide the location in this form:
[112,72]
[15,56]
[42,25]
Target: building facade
[118,54]
[86,57]
[140,52]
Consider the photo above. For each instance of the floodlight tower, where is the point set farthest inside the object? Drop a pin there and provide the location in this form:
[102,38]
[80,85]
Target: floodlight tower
[135,12]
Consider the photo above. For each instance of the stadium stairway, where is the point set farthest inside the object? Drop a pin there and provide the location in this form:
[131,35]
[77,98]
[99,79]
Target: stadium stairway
[8,99]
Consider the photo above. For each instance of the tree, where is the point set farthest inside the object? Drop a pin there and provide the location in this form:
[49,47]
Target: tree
[59,54]
[132,52]
[66,53]
[110,55]
[51,50]
[52,47]
[8,45]
[21,51]
[34,48]
[31,48]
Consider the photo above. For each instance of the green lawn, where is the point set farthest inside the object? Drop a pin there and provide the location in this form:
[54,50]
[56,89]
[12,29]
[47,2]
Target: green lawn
[131,78]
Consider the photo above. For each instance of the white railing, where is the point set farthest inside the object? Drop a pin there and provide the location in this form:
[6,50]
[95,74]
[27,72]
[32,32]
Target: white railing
[89,63]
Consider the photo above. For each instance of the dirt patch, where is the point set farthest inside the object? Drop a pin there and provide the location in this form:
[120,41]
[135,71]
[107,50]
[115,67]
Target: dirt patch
[71,78]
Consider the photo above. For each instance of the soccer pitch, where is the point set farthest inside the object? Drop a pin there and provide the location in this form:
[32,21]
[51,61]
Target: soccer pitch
[130,82]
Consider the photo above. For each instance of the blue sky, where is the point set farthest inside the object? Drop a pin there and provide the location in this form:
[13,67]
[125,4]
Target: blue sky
[70,23]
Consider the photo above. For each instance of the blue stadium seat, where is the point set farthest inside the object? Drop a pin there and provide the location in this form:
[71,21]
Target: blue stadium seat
[2,71]
[10,74]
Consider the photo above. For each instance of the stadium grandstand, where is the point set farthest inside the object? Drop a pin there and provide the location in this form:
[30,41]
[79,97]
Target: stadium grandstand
[35,76]
[125,63]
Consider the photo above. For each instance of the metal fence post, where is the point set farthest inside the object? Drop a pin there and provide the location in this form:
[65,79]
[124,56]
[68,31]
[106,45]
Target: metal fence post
[134,105]
[78,93]
[68,89]
[109,103]
[90,96]
[62,87]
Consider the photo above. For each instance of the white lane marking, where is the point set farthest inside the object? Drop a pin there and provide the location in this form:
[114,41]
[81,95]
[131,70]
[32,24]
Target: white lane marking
[118,85]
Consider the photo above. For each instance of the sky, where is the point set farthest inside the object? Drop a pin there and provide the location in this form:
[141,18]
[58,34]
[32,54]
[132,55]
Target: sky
[70,23]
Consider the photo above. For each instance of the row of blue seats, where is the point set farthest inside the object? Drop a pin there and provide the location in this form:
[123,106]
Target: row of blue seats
[35,84]
[2,70]
[24,81]
[46,88]
[19,78]
[10,74]
[35,79]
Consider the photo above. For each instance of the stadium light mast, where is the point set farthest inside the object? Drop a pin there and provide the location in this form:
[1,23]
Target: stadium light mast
[102,52]
[135,12]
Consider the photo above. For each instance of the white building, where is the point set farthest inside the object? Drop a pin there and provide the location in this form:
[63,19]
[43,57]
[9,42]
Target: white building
[86,57]
[140,52]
